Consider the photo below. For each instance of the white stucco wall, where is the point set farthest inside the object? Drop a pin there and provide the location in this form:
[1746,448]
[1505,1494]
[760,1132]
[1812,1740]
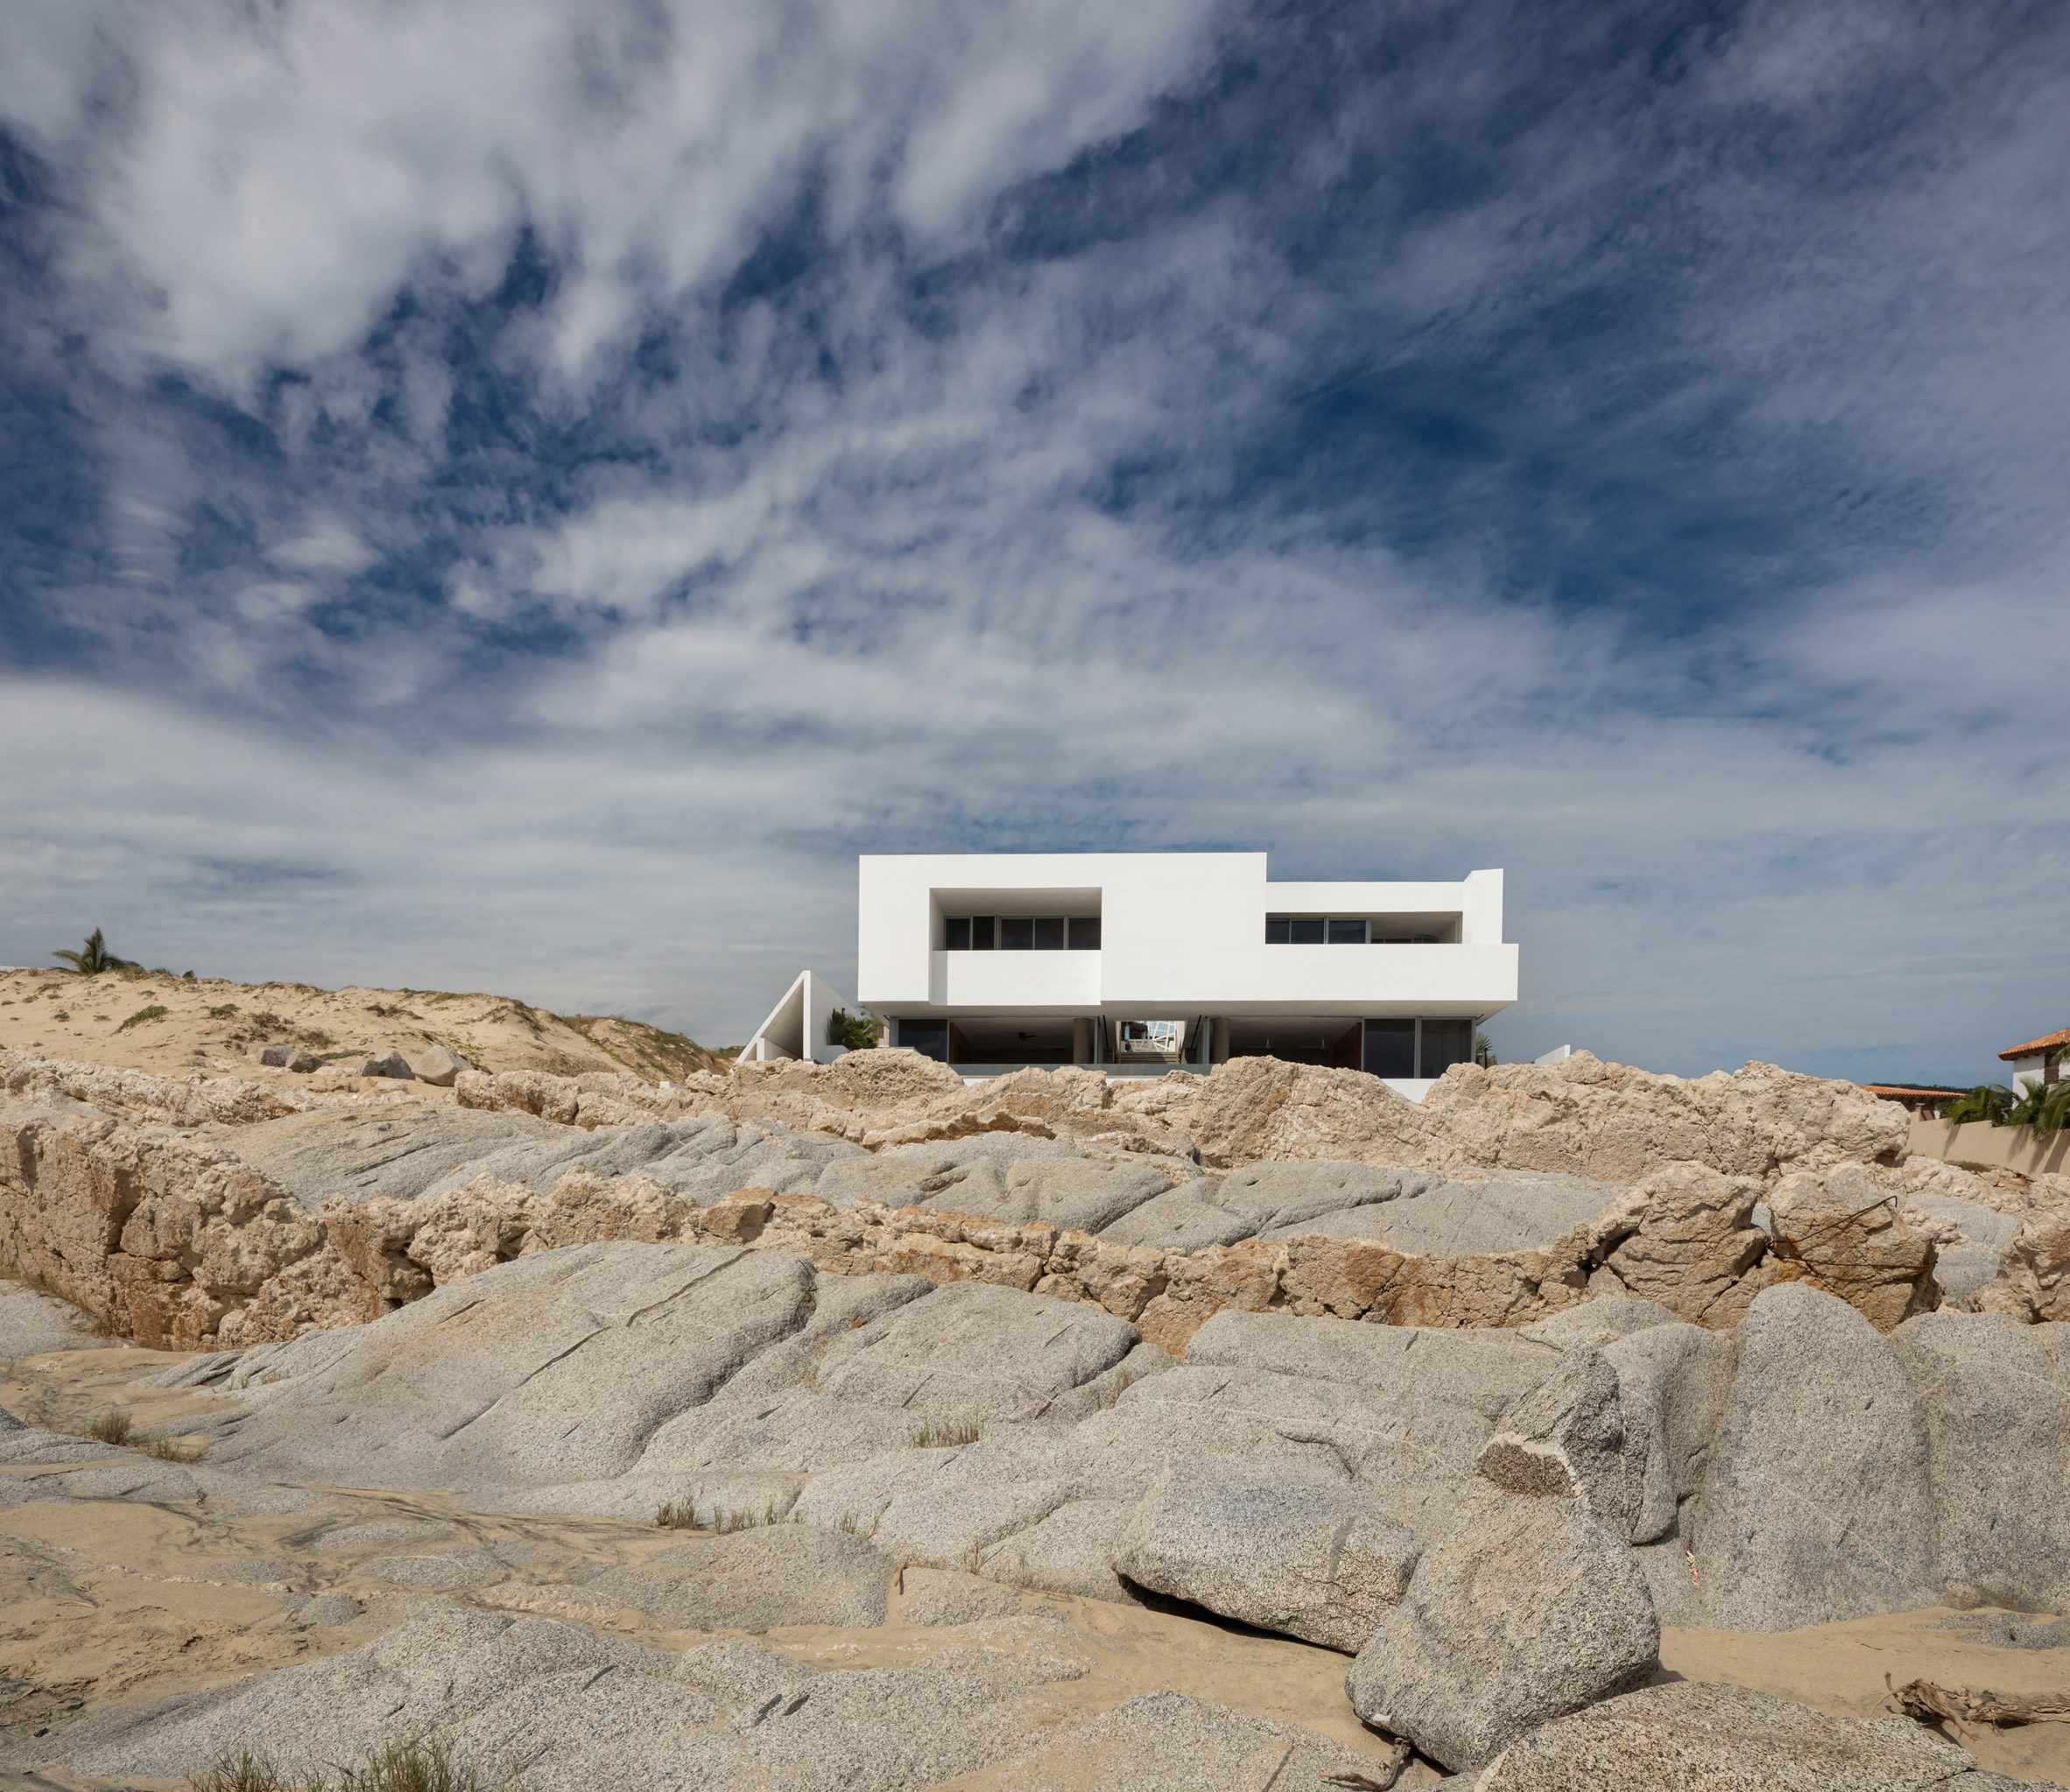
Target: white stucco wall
[1181,934]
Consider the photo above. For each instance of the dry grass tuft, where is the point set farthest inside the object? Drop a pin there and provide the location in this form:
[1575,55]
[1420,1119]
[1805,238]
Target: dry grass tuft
[681,1515]
[111,1426]
[403,1767]
[942,1434]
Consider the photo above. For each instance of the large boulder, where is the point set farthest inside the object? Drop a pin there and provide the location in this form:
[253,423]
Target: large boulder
[1252,1109]
[1996,1395]
[2035,1282]
[389,1064]
[1584,1117]
[1528,1610]
[1696,1737]
[1841,1231]
[1815,1507]
[1271,1543]
[1688,1243]
[440,1066]
[1569,1437]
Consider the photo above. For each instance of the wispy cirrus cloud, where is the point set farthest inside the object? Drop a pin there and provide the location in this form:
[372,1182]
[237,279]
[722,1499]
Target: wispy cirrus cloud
[513,490]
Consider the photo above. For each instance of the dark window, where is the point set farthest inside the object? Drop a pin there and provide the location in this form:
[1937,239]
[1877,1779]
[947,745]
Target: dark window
[1049,933]
[1308,930]
[929,1038]
[1446,1042]
[959,934]
[981,934]
[1278,929]
[1348,932]
[1085,933]
[1017,933]
[1390,1048]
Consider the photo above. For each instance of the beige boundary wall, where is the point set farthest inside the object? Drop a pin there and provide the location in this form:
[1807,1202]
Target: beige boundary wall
[1998,1147]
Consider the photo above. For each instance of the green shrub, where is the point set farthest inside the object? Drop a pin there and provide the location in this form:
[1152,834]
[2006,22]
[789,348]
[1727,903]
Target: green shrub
[142,1014]
[855,1032]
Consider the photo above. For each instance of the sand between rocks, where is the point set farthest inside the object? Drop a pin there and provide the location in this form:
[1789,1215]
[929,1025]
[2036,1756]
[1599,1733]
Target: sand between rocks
[112,1604]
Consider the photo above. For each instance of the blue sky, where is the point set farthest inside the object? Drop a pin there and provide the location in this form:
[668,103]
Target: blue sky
[517,495]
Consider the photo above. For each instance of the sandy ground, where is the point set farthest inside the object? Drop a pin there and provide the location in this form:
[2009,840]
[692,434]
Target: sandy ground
[205,1023]
[108,1603]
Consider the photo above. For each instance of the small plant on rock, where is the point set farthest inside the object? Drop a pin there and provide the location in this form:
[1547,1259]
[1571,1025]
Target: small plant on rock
[154,1012]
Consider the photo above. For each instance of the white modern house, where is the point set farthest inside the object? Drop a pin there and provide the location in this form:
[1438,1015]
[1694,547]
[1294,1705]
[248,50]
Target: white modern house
[1144,961]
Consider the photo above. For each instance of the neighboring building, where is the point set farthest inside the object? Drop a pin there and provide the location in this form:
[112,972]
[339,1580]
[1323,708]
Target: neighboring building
[1922,1098]
[2045,1061]
[1147,960]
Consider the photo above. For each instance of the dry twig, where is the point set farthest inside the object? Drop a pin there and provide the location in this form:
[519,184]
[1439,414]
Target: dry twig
[1962,1710]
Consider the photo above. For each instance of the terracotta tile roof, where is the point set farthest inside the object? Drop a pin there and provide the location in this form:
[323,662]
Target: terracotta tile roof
[2047,1042]
[1898,1092]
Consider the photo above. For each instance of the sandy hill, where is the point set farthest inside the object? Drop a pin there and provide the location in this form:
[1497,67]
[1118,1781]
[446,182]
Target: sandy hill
[156,1021]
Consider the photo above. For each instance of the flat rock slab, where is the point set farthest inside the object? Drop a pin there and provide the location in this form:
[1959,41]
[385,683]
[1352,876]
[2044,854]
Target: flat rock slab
[758,1580]
[582,1710]
[1283,1547]
[1465,1214]
[1697,1737]
[33,1322]
[409,1152]
[1165,1740]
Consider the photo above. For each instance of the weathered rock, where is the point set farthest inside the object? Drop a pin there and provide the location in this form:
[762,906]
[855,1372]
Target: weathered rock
[275,1055]
[1706,1737]
[388,1064]
[582,1709]
[1461,1213]
[1569,1437]
[139,1095]
[1674,1382]
[1815,1506]
[1601,1319]
[1166,1739]
[1840,1230]
[2035,1282]
[440,1067]
[1996,1395]
[1525,1612]
[1253,1109]
[302,1063]
[1298,1550]
[1688,1242]
[755,1579]
[1583,1117]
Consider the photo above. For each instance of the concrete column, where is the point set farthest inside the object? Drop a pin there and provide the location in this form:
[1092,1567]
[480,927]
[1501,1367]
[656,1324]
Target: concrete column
[1219,1052]
[1081,1041]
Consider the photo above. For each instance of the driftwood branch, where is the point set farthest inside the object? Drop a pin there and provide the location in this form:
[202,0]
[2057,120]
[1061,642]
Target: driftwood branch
[1363,1782]
[1962,1710]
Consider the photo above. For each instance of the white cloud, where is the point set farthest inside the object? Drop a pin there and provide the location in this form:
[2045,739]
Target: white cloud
[935,541]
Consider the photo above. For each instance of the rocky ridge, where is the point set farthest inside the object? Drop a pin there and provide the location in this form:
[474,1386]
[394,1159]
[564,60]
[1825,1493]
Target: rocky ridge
[1487,1396]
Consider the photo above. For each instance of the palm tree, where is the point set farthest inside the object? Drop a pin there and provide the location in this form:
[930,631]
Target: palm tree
[94,957]
[1991,1101]
[2043,1108]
